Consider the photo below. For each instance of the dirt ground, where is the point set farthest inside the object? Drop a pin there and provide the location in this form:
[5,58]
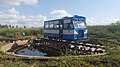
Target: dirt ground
[6,47]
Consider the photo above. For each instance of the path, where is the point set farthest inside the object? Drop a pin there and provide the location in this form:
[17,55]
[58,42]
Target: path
[6,47]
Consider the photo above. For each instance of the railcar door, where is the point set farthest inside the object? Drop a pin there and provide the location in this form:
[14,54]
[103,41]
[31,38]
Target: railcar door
[60,29]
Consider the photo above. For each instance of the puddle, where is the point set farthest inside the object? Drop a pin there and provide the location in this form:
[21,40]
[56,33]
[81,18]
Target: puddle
[31,52]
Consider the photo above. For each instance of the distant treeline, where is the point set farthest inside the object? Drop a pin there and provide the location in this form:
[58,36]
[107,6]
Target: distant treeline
[11,32]
[11,26]
[111,31]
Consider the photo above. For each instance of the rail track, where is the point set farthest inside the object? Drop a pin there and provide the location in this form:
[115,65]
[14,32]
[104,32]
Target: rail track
[63,47]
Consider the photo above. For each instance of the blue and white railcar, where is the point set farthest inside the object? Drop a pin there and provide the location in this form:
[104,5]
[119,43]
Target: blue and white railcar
[69,28]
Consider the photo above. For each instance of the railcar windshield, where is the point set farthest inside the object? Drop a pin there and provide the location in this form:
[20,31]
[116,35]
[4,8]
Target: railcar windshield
[79,24]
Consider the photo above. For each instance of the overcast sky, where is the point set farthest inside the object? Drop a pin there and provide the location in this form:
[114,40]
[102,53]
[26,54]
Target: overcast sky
[32,13]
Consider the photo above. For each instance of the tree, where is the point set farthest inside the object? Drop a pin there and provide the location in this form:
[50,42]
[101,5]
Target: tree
[6,26]
[3,26]
[16,26]
[24,27]
[0,25]
[10,26]
[114,27]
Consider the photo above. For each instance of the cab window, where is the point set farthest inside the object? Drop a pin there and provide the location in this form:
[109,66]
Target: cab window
[68,24]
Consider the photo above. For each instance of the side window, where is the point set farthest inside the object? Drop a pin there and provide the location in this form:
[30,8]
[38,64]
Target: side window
[51,24]
[56,24]
[46,25]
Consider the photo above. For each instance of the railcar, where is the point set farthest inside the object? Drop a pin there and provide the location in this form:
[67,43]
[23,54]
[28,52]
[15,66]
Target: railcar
[67,28]
[69,35]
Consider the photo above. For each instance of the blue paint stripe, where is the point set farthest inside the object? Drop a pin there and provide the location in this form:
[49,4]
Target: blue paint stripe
[58,29]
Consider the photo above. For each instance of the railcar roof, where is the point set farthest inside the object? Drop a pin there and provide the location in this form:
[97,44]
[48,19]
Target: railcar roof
[59,19]
[65,18]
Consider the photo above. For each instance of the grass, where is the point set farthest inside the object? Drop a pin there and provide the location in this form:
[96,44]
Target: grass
[10,60]
[2,43]
[109,60]
[112,59]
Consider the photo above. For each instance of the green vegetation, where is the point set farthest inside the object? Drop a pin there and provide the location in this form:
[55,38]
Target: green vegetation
[108,35]
[111,31]
[9,33]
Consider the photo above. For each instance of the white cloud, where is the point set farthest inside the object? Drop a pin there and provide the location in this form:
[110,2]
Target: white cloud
[10,2]
[17,2]
[30,2]
[98,21]
[12,16]
[59,13]
[12,11]
[89,21]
